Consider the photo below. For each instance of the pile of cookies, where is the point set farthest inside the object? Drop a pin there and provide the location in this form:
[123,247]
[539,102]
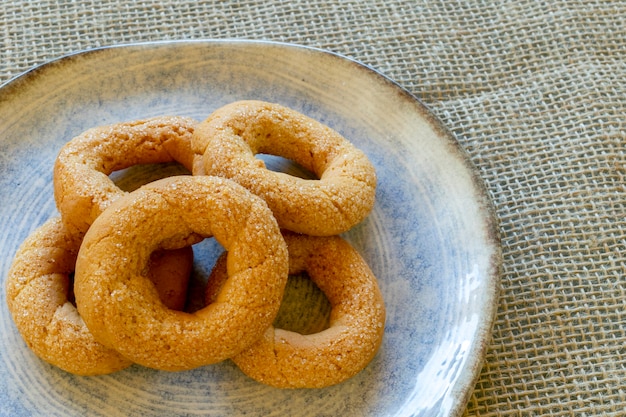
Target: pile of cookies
[104,285]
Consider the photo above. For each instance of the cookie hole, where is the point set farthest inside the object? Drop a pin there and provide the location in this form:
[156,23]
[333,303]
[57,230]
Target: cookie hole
[133,177]
[205,255]
[286,166]
[170,272]
[70,289]
[305,309]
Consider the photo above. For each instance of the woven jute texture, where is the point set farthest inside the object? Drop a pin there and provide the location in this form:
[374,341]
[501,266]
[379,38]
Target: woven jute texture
[535,91]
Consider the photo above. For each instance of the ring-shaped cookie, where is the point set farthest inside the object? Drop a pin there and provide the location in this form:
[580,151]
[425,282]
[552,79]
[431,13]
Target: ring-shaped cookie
[39,296]
[38,286]
[122,310]
[82,187]
[344,194]
[287,359]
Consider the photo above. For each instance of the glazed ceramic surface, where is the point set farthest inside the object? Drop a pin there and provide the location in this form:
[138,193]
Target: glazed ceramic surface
[431,239]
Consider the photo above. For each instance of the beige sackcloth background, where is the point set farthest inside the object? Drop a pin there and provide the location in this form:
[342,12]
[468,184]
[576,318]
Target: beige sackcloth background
[535,91]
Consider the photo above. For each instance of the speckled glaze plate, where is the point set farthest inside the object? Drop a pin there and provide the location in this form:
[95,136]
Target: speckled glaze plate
[431,239]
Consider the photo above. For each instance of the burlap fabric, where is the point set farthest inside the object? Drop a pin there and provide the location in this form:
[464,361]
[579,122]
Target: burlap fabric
[536,93]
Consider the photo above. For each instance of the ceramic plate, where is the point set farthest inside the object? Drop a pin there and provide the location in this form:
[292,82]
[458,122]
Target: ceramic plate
[431,239]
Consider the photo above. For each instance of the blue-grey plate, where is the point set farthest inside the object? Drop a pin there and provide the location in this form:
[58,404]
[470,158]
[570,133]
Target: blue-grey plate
[431,239]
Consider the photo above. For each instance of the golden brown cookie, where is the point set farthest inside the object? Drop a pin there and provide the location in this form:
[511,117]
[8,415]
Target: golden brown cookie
[286,359]
[226,143]
[122,309]
[82,187]
[40,298]
[38,286]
